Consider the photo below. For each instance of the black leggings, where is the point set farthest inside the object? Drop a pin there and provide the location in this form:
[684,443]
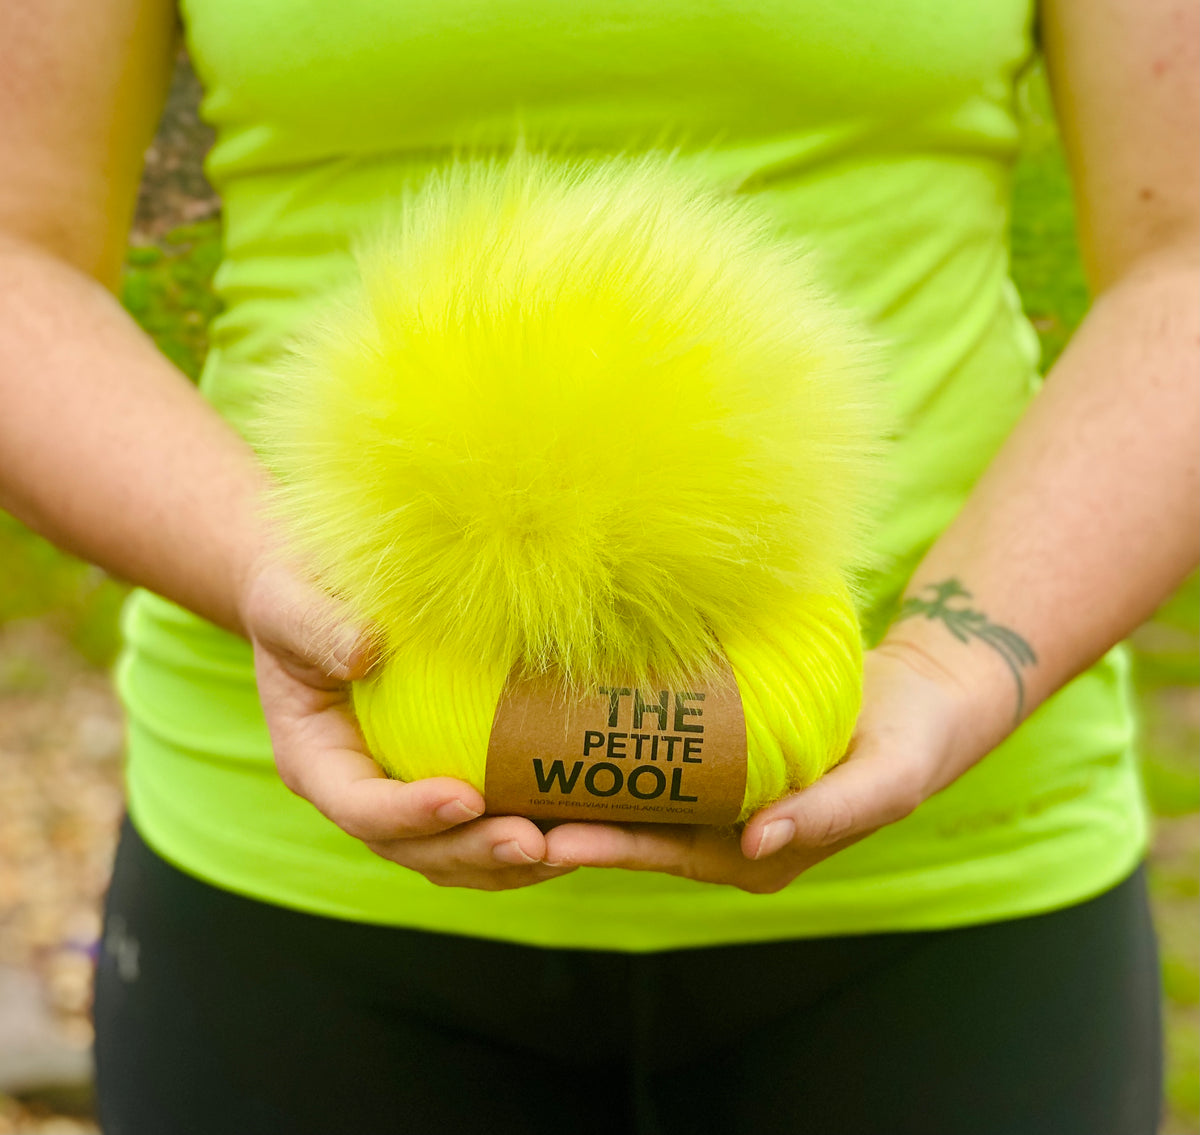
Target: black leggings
[219,1015]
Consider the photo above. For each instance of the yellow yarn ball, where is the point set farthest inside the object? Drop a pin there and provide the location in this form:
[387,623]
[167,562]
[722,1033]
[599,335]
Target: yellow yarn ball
[591,418]
[799,679]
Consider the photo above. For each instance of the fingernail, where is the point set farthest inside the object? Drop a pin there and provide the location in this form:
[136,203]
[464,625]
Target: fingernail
[511,852]
[456,812]
[777,834]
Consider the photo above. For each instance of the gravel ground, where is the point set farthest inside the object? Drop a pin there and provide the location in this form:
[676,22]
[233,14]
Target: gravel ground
[60,804]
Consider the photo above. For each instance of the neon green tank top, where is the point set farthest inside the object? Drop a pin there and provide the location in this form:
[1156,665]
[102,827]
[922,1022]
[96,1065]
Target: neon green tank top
[882,133]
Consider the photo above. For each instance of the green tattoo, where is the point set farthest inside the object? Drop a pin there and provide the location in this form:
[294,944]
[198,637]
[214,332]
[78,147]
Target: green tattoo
[964,624]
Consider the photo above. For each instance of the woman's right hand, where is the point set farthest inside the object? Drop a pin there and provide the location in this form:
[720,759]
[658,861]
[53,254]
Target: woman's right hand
[305,655]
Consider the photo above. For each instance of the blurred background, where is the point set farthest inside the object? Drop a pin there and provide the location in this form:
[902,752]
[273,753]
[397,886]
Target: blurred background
[61,733]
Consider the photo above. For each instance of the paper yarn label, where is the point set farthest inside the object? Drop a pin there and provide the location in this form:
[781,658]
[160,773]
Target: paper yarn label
[654,755]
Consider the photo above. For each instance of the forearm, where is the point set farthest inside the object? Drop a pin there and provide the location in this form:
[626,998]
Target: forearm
[111,453]
[1088,516]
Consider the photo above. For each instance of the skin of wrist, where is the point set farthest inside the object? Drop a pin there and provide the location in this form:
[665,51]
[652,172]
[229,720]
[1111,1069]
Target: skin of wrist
[978,694]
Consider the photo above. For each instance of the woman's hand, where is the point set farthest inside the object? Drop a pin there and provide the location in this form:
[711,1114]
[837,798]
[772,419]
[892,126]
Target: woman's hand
[920,728]
[305,655]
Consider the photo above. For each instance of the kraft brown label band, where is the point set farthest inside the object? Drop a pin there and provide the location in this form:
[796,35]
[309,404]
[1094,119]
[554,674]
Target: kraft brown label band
[655,755]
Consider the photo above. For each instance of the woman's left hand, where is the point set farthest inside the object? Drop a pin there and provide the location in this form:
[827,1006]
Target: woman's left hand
[920,728]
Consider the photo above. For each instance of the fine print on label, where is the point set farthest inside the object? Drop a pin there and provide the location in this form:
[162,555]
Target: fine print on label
[657,755]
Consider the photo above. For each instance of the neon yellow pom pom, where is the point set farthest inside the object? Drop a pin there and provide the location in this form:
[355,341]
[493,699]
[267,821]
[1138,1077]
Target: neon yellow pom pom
[593,418]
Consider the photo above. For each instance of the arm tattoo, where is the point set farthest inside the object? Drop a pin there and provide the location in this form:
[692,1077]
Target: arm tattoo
[964,624]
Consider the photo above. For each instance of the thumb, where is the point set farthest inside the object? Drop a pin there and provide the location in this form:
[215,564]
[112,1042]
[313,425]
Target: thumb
[875,785]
